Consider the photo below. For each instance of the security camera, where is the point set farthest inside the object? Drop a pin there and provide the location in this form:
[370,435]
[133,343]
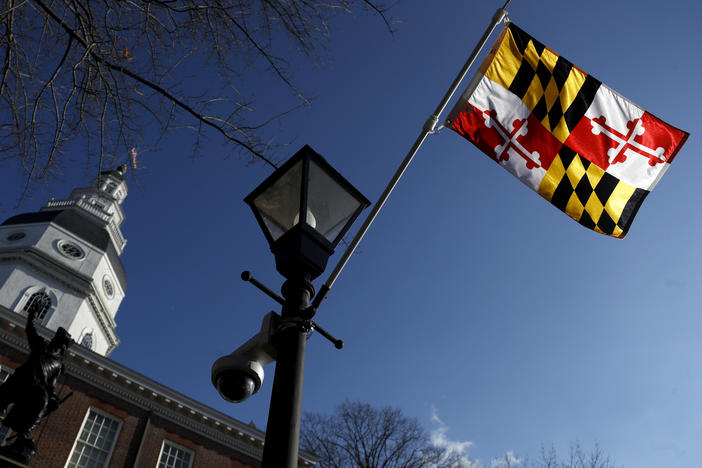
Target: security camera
[239,375]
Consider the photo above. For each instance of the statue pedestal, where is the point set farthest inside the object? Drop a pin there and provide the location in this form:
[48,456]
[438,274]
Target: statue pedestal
[10,463]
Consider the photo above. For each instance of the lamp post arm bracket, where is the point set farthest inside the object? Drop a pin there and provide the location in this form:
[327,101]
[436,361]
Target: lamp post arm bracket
[247,276]
[338,344]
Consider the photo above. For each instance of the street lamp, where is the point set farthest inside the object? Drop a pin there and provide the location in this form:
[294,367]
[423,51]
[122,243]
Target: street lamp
[307,184]
[304,209]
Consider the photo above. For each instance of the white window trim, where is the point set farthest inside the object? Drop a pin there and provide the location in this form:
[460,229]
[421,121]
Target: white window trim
[112,285]
[9,371]
[178,446]
[86,331]
[80,430]
[37,289]
[109,187]
[61,242]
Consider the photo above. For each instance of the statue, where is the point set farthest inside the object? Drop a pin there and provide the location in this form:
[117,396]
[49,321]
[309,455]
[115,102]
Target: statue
[29,392]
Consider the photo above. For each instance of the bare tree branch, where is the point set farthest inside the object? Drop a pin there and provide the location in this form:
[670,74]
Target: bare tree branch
[124,68]
[359,435]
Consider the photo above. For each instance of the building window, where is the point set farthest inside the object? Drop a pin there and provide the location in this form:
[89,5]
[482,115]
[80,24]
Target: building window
[4,430]
[174,456]
[95,442]
[110,187]
[15,236]
[107,287]
[40,299]
[40,302]
[87,340]
[70,250]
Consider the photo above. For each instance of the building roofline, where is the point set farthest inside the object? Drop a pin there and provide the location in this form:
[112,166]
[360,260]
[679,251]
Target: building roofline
[87,365]
[74,221]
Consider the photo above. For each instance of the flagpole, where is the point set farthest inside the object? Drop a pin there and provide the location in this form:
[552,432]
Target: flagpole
[427,129]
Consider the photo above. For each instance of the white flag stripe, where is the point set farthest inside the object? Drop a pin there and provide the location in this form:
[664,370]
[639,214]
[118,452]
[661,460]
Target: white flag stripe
[618,112]
[489,95]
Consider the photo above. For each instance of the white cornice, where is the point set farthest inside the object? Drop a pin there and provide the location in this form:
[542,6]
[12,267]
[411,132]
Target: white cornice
[35,259]
[105,321]
[146,393]
[40,262]
[146,399]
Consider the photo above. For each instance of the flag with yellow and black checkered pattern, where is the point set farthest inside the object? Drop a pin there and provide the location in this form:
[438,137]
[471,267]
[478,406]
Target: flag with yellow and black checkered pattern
[589,195]
[583,147]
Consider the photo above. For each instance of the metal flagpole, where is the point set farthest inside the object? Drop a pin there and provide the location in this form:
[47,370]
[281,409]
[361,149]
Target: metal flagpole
[427,129]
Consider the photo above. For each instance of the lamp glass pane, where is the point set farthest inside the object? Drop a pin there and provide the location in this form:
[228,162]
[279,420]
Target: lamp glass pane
[279,204]
[330,204]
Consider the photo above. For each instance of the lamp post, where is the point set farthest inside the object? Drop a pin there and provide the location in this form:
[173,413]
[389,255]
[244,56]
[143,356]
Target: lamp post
[304,209]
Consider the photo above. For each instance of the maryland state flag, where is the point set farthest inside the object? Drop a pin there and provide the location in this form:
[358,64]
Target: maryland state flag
[588,150]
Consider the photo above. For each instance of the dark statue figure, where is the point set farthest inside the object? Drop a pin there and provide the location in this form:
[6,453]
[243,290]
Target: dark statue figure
[29,393]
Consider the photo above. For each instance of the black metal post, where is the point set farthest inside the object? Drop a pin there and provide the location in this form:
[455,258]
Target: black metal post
[283,427]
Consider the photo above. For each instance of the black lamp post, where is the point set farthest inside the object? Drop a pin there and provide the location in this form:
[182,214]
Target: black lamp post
[304,209]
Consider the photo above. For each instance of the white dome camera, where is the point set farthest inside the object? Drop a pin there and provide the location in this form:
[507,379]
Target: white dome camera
[239,375]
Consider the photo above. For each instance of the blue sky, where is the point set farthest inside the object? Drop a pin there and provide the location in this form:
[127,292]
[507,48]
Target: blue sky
[471,299]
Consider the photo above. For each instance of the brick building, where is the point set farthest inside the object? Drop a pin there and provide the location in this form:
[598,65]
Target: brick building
[67,255]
